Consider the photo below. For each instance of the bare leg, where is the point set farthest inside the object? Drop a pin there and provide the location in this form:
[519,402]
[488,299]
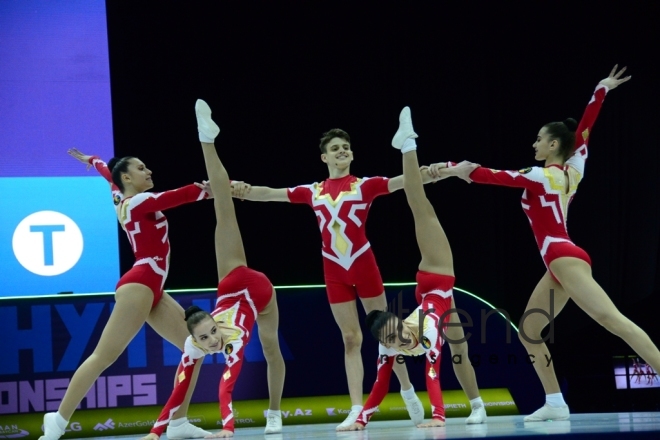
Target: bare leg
[346,318]
[463,370]
[431,238]
[229,252]
[133,302]
[535,323]
[268,321]
[575,275]
[380,303]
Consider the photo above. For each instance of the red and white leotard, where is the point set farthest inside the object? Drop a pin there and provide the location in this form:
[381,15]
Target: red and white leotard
[545,199]
[242,295]
[341,207]
[434,293]
[146,227]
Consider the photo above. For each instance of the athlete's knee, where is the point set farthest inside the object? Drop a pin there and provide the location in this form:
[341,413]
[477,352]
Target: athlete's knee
[352,340]
[271,348]
[614,322]
[103,359]
[528,334]
[460,349]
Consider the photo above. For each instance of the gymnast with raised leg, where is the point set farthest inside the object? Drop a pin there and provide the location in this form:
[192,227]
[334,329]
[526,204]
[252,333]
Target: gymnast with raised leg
[139,295]
[548,190]
[244,297]
[341,204]
[424,331]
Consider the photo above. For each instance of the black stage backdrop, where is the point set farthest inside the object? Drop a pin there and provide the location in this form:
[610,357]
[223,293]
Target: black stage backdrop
[481,78]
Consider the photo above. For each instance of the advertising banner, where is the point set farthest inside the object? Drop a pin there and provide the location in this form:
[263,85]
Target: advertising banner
[251,413]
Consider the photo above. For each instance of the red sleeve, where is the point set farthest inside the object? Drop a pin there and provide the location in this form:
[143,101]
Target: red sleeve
[373,187]
[583,132]
[301,194]
[103,170]
[433,385]
[152,202]
[234,362]
[490,176]
[379,390]
[183,374]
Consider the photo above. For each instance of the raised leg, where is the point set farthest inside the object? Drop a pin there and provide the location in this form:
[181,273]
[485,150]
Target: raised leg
[229,250]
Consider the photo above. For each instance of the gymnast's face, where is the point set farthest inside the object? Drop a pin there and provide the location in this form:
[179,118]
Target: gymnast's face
[207,335]
[393,337]
[544,146]
[138,176]
[338,153]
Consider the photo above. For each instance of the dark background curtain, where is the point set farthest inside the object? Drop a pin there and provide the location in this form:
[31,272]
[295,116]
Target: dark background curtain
[480,78]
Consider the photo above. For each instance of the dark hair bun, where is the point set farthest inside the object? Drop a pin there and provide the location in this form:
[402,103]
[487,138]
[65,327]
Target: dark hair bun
[191,311]
[372,317]
[571,124]
[112,162]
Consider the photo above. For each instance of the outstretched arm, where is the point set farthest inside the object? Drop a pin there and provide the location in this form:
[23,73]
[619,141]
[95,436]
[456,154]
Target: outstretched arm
[396,183]
[245,191]
[585,127]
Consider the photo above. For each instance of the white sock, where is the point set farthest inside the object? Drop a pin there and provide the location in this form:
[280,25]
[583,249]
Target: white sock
[555,400]
[178,422]
[205,139]
[274,412]
[476,403]
[356,408]
[408,394]
[61,423]
[409,145]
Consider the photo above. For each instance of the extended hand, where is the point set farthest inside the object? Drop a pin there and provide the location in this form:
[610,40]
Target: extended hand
[222,434]
[613,81]
[73,152]
[353,427]
[206,187]
[240,189]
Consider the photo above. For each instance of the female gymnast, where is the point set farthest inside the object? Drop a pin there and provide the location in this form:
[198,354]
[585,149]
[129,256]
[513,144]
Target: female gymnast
[341,204]
[424,331]
[139,293]
[244,296]
[547,193]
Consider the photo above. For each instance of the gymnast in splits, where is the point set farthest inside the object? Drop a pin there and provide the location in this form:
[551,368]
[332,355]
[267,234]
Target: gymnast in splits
[424,331]
[139,293]
[244,297]
[548,191]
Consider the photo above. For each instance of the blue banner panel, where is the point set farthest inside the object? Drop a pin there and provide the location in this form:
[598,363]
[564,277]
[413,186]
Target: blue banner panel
[57,234]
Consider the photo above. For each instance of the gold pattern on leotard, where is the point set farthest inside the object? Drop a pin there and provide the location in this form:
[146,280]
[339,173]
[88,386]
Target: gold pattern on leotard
[585,134]
[340,241]
[319,187]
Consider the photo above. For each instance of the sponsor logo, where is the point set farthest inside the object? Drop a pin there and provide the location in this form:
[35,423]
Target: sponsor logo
[229,349]
[116,199]
[299,412]
[108,424]
[75,426]
[525,170]
[12,431]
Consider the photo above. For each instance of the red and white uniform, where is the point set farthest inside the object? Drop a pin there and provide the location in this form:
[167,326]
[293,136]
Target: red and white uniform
[146,226]
[341,206]
[433,293]
[242,295]
[545,199]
